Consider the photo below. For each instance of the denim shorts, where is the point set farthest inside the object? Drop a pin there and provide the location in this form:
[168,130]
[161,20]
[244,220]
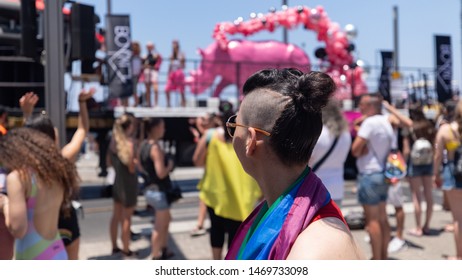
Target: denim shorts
[156,199]
[419,170]
[449,182]
[372,188]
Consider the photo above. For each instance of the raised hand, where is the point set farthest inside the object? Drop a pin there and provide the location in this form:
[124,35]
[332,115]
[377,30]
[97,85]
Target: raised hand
[86,94]
[27,103]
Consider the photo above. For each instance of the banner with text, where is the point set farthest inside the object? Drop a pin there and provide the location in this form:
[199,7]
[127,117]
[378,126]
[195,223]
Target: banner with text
[118,44]
[384,81]
[443,74]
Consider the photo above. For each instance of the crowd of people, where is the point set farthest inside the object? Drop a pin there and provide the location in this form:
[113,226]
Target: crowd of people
[429,148]
[274,172]
[146,69]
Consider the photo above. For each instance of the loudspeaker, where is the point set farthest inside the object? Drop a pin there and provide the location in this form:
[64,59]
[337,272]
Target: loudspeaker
[28,28]
[83,45]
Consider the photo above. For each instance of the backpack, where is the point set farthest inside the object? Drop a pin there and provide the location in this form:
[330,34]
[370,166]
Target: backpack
[395,167]
[421,152]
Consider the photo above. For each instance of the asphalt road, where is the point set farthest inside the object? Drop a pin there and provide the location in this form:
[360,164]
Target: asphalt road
[95,242]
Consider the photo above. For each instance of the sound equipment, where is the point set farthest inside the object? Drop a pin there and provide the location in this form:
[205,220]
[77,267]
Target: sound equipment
[83,45]
[28,17]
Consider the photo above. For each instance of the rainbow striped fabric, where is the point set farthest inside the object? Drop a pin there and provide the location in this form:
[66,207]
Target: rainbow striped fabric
[33,246]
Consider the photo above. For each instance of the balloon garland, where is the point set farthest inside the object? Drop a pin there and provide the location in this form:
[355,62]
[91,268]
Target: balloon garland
[342,67]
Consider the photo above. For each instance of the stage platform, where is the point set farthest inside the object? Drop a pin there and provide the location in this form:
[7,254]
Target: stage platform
[162,112]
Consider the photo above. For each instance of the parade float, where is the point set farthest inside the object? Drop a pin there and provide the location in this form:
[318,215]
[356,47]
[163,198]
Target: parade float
[235,60]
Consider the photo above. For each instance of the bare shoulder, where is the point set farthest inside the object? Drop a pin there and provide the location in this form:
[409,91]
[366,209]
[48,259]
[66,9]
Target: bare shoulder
[13,175]
[326,239]
[444,130]
[14,182]
[17,187]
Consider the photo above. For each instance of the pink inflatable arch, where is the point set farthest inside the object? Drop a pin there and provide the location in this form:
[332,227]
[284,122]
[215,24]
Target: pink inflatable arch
[225,52]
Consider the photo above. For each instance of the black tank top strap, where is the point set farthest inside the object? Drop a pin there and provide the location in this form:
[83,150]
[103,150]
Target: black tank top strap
[148,165]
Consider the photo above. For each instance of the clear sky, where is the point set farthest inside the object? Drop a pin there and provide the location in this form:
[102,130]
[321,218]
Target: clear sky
[192,23]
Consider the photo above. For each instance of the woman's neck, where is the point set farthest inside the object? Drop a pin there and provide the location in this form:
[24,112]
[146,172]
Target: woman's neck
[275,179]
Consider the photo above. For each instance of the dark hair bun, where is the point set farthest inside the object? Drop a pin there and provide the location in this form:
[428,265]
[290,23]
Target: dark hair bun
[313,91]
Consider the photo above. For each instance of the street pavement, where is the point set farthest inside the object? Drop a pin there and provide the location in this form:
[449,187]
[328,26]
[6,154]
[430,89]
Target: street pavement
[94,221]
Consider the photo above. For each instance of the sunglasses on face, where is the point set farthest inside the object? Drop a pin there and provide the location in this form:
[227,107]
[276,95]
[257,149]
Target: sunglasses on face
[231,127]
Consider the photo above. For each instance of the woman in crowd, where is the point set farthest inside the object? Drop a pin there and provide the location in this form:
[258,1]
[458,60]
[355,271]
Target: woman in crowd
[157,169]
[68,223]
[274,134]
[39,183]
[336,138]
[122,157]
[448,112]
[227,191]
[420,173]
[175,79]
[202,124]
[137,68]
[151,64]
[449,138]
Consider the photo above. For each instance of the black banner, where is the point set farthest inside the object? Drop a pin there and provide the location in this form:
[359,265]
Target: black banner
[443,73]
[118,44]
[384,81]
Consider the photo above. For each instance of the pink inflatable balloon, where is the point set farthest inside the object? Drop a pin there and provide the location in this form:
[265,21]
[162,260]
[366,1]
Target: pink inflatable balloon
[245,58]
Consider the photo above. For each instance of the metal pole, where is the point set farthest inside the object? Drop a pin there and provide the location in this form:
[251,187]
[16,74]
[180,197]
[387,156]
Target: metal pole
[109,7]
[395,38]
[54,68]
[284,30]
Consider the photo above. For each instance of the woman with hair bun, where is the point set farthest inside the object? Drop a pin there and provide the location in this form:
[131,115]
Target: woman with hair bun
[274,133]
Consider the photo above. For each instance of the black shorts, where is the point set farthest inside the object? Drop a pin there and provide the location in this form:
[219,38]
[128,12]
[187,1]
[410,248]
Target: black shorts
[68,226]
[219,227]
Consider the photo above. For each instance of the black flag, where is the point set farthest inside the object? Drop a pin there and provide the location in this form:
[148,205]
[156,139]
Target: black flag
[384,81]
[118,44]
[443,73]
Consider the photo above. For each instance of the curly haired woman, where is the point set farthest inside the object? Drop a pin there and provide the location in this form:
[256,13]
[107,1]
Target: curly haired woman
[39,182]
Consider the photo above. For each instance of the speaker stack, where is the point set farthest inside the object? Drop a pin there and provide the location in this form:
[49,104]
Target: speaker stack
[28,17]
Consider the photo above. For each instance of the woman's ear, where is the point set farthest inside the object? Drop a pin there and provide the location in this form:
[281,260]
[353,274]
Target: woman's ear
[251,142]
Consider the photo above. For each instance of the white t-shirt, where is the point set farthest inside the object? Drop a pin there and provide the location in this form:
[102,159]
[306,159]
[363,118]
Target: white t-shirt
[378,132]
[331,170]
